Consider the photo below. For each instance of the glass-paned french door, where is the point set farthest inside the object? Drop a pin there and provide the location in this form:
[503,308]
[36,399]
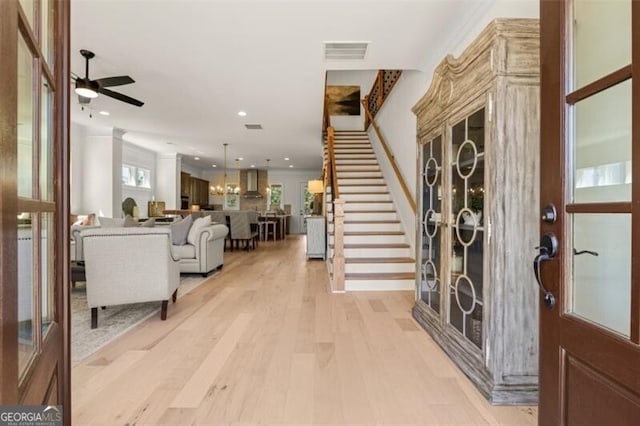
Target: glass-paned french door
[33,169]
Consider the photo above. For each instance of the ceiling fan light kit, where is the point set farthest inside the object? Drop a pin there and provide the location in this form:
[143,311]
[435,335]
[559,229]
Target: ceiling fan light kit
[88,89]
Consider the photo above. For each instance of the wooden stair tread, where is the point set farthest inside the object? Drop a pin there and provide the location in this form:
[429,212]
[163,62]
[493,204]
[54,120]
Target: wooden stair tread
[364,184]
[364,193]
[378,260]
[360,177]
[374,246]
[373,162]
[369,211]
[373,233]
[369,222]
[381,276]
[367,201]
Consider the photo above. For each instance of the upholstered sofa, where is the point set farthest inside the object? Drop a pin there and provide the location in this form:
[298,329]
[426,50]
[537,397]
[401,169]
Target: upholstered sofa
[202,257]
[129,265]
[207,254]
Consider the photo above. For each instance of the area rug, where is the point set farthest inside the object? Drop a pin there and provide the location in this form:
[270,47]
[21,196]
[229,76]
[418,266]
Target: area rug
[113,321]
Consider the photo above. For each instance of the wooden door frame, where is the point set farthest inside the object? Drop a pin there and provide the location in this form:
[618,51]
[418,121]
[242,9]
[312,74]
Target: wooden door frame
[41,374]
[554,84]
[552,102]
[8,202]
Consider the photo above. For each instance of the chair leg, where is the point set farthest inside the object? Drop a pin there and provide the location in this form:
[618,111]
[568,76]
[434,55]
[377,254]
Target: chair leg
[174,296]
[163,313]
[94,317]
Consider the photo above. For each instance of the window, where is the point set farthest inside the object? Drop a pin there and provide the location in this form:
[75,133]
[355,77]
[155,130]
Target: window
[276,195]
[136,176]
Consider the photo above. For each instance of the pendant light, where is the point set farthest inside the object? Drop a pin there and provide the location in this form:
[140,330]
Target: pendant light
[268,186]
[224,185]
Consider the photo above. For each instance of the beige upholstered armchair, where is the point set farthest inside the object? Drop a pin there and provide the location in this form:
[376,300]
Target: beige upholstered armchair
[129,265]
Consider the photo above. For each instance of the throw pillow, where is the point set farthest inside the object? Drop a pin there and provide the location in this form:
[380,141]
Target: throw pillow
[149,223]
[109,222]
[130,222]
[199,223]
[180,230]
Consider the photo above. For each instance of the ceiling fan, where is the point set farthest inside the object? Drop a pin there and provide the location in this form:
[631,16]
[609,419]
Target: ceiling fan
[88,89]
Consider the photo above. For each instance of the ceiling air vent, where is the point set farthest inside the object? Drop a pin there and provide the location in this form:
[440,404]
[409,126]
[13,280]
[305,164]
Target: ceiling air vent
[253,126]
[345,49]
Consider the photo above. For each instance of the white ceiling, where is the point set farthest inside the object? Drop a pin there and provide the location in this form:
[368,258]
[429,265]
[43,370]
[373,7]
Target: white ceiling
[198,62]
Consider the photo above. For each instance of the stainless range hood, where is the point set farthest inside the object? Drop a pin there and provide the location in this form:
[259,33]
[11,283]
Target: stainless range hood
[252,185]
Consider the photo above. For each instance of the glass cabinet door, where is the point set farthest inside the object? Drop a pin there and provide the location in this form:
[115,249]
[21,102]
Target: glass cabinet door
[431,233]
[465,298]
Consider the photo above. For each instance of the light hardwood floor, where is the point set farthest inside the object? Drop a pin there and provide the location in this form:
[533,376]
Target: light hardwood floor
[263,342]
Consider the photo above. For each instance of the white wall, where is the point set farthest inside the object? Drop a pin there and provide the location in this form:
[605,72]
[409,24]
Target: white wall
[193,171]
[364,79]
[97,190]
[398,123]
[167,180]
[78,140]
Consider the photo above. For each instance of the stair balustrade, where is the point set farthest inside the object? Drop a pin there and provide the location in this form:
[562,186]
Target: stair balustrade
[382,86]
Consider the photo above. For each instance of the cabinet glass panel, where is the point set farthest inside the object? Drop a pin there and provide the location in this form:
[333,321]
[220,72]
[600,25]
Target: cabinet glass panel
[47,271]
[601,38]
[26,278]
[602,146]
[46,143]
[601,269]
[47,8]
[430,279]
[467,231]
[28,7]
[25,120]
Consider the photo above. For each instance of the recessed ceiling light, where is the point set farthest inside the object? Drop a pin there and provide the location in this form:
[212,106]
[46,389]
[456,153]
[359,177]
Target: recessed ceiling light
[213,165]
[290,165]
[240,158]
[104,113]
[196,158]
[286,158]
[170,143]
[253,165]
[242,113]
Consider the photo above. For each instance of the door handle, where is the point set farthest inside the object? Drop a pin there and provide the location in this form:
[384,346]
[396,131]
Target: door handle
[548,250]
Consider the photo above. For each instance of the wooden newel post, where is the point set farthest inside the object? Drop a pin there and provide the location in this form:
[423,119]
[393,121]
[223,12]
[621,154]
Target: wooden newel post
[338,245]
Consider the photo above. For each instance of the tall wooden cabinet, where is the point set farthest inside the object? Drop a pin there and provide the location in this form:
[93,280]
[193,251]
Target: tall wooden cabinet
[477,225]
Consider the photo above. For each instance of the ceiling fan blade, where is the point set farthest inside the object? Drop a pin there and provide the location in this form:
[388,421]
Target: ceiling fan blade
[114,81]
[74,76]
[121,97]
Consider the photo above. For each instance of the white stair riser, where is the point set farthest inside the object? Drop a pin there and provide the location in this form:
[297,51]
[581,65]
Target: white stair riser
[359,151]
[378,268]
[365,197]
[371,239]
[381,285]
[351,216]
[366,227]
[355,156]
[363,161]
[363,181]
[358,207]
[359,173]
[375,252]
[357,168]
[349,189]
[352,144]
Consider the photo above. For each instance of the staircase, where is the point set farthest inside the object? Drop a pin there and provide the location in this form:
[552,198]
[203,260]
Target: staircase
[377,255]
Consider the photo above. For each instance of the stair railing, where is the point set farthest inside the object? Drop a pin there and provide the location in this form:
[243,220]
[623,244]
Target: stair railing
[390,157]
[331,180]
[382,86]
